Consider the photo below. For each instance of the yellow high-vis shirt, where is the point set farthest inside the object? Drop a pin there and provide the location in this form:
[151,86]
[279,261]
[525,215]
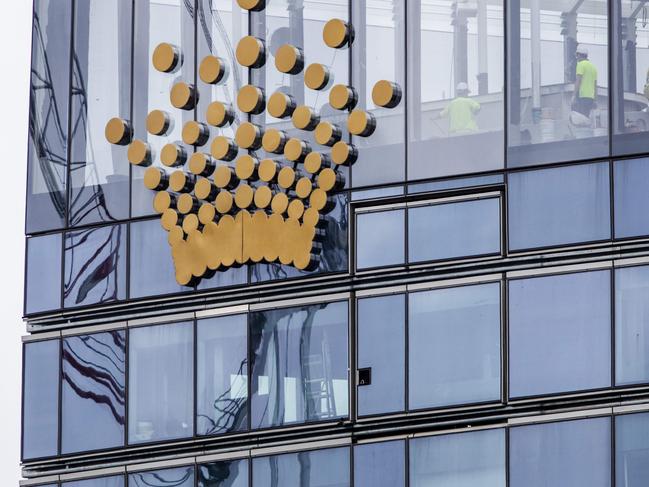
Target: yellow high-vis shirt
[460,113]
[588,73]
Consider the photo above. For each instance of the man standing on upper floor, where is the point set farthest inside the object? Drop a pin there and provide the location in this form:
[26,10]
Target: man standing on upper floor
[461,111]
[583,99]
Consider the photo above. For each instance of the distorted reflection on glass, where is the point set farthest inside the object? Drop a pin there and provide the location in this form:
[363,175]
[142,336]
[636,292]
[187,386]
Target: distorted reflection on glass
[223,474]
[631,450]
[171,477]
[114,481]
[43,273]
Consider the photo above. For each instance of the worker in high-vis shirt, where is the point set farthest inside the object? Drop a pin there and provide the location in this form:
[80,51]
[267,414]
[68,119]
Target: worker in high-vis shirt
[583,99]
[461,111]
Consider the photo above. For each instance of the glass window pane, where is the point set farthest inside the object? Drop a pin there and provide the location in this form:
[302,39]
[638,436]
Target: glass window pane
[454,346]
[559,206]
[43,279]
[380,464]
[101,88]
[459,460]
[93,392]
[40,399]
[299,364]
[559,333]
[171,477]
[558,80]
[631,325]
[381,347]
[48,126]
[115,481]
[631,198]
[95,266]
[455,92]
[223,474]
[319,468]
[161,390]
[445,231]
[222,375]
[631,450]
[575,453]
[380,238]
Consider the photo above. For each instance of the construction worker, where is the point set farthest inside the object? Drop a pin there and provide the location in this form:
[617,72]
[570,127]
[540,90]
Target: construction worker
[461,111]
[583,99]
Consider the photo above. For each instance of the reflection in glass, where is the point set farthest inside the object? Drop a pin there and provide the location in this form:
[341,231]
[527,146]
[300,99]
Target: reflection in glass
[575,453]
[380,238]
[455,91]
[223,474]
[43,279]
[171,477]
[160,403]
[95,266]
[299,364]
[93,391]
[454,346]
[40,399]
[559,333]
[318,468]
[459,460]
[631,450]
[631,197]
[115,481]
[558,79]
[48,116]
[380,464]
[222,375]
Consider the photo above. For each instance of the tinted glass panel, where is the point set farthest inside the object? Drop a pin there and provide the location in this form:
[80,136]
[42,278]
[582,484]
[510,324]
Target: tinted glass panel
[558,206]
[95,266]
[40,399]
[116,481]
[381,347]
[223,474]
[459,460]
[300,361]
[559,333]
[631,198]
[449,230]
[454,346]
[93,391]
[380,464]
[171,477]
[160,390]
[576,453]
[631,450]
[222,375]
[43,279]
[380,238]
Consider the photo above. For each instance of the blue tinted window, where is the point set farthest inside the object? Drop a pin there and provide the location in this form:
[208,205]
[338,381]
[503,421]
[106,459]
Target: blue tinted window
[632,450]
[222,375]
[570,453]
[320,468]
[93,392]
[161,390]
[380,238]
[43,279]
[115,481]
[380,464]
[454,346]
[444,231]
[40,399]
[559,333]
[171,477]
[558,206]
[223,474]
[464,459]
[631,198]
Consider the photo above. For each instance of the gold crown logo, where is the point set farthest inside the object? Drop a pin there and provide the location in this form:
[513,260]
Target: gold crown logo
[221,210]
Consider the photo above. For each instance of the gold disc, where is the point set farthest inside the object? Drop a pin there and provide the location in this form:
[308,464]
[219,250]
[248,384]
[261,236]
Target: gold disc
[317,76]
[274,141]
[219,114]
[206,213]
[318,199]
[251,52]
[305,118]
[311,217]
[248,136]
[315,161]
[165,57]
[223,148]
[183,96]
[195,133]
[263,197]
[267,170]
[176,234]
[251,100]
[246,167]
[281,105]
[118,131]
[223,177]
[327,179]
[344,153]
[190,223]
[342,97]
[224,202]
[252,5]
[201,164]
[286,177]
[158,122]
[204,189]
[173,155]
[337,33]
[295,209]
[243,196]
[361,123]
[289,59]
[327,134]
[155,179]
[386,94]
[212,70]
[169,219]
[139,153]
[296,149]
[180,182]
[186,203]
[162,201]
[303,187]
[279,203]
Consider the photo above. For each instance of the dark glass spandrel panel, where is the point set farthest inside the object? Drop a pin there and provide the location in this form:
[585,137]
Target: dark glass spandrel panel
[43,279]
[451,230]
[114,481]
[631,450]
[380,238]
[559,333]
[381,347]
[95,266]
[299,365]
[454,346]
[465,182]
[455,92]
[570,453]
[559,206]
[161,398]
[223,474]
[371,194]
[222,375]
[101,90]
[40,399]
[459,460]
[93,393]
[631,325]
[631,179]
[558,81]
[318,468]
[380,464]
[48,116]
[171,477]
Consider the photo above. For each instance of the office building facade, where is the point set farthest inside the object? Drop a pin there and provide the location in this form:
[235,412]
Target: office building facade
[334,243]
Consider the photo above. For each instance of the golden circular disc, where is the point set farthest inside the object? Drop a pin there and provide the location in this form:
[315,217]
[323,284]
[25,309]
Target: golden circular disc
[286,177]
[295,209]
[158,122]
[139,153]
[360,123]
[176,234]
[248,136]
[343,153]
[246,166]
[169,219]
[295,149]
[311,217]
[185,203]
[279,203]
[183,96]
[201,164]
[336,33]
[274,141]
[243,196]
[190,223]
[212,70]
[162,201]
[224,202]
[314,162]
[289,59]
[303,187]
[263,197]
[318,199]
[267,170]
[327,134]
[165,57]
[316,76]
[223,148]
[206,213]
[153,178]
[172,155]
[254,5]
[386,94]
[280,105]
[219,114]
[118,131]
[342,97]
[305,118]
[195,133]
[251,52]
[178,181]
[251,99]
[223,177]
[327,179]
[204,189]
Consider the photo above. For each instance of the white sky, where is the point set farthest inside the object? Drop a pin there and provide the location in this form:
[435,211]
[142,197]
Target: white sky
[15,37]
